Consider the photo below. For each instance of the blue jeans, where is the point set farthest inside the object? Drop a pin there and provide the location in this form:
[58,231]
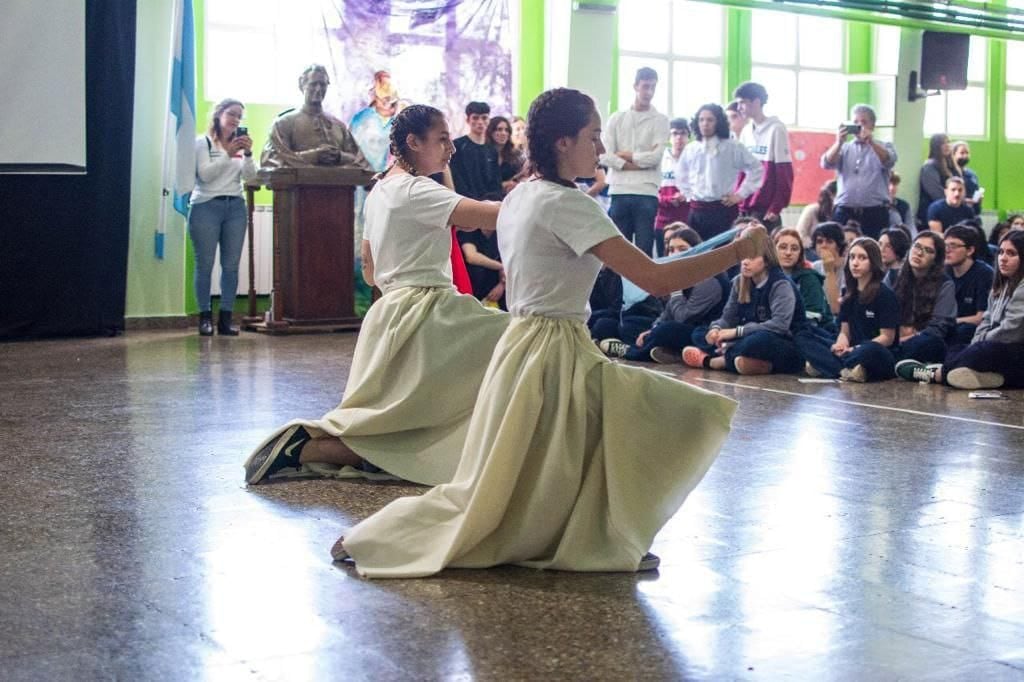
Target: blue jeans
[634,215]
[221,220]
[669,334]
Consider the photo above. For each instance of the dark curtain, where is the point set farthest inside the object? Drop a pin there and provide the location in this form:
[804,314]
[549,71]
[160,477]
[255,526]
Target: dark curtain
[64,238]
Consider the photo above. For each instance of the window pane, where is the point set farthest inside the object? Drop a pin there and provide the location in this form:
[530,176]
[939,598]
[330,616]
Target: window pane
[225,79]
[821,42]
[966,112]
[976,62]
[887,49]
[773,37]
[254,13]
[627,72]
[935,115]
[1014,62]
[643,25]
[1014,124]
[697,29]
[781,87]
[815,110]
[694,84]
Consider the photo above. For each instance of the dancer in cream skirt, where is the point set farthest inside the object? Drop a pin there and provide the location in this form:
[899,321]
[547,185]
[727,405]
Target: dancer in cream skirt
[571,462]
[423,347]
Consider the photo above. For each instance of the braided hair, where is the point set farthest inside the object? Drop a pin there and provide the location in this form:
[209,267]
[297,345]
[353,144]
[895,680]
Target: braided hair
[416,119]
[557,113]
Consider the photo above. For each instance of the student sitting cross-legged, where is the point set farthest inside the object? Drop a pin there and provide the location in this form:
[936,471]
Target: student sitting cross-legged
[972,280]
[684,311]
[754,335]
[868,319]
[927,300]
[995,357]
[811,284]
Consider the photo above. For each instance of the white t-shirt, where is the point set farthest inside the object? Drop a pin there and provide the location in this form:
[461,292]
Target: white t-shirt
[545,231]
[407,221]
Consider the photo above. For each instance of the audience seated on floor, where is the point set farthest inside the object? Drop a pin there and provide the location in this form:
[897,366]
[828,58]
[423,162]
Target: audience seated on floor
[790,249]
[972,281]
[894,243]
[830,245]
[684,311]
[754,335]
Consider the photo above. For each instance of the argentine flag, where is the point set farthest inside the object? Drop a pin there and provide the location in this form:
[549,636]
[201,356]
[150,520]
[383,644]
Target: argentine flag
[179,143]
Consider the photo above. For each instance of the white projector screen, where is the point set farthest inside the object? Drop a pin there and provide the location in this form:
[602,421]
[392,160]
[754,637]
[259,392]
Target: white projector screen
[42,78]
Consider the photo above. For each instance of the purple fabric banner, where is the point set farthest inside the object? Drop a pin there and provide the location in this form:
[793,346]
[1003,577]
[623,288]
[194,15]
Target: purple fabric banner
[444,53]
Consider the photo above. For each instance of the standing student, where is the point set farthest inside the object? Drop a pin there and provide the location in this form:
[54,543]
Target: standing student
[974,192]
[217,215]
[510,159]
[927,301]
[563,467]
[633,141]
[672,205]
[709,169]
[414,340]
[767,139]
[475,169]
[899,209]
[868,319]
[972,281]
[755,334]
[936,170]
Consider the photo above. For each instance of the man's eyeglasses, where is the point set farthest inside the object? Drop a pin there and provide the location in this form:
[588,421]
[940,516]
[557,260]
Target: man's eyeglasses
[955,245]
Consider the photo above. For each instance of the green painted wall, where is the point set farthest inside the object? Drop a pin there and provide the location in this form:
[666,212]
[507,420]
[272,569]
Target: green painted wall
[163,287]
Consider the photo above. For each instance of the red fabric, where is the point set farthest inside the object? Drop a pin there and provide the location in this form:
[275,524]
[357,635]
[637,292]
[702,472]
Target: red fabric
[460,275]
[667,211]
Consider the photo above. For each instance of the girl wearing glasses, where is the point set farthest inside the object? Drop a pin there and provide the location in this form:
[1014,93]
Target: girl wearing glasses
[995,357]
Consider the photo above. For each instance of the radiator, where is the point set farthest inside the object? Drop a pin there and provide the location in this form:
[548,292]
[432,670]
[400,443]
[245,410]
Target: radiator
[263,255]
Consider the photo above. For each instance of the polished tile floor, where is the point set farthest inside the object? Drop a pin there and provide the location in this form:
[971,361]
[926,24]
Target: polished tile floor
[846,532]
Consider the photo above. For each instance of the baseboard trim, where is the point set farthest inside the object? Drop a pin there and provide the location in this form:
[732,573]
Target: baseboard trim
[163,322]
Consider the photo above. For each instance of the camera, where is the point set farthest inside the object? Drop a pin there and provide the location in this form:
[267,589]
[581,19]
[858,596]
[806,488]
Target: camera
[851,129]
[242,131]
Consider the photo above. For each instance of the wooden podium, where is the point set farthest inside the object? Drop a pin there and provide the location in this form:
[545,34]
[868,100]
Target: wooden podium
[314,251]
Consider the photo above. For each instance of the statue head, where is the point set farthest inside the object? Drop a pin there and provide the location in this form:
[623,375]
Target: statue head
[313,83]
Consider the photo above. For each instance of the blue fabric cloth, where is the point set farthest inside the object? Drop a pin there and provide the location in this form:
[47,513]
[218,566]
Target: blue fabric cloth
[972,289]
[949,215]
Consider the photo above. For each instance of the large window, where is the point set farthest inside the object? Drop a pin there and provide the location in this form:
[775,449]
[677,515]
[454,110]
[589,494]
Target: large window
[799,60]
[255,50]
[1014,90]
[683,42]
[962,113]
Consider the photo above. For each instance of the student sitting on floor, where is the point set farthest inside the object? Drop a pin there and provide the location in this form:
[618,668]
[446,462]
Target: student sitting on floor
[754,335]
[830,245]
[996,356]
[927,302]
[972,281]
[894,243]
[868,319]
[684,311]
[790,250]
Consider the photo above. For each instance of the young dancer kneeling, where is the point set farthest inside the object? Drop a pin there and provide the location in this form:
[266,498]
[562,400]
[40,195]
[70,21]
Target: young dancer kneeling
[568,464]
[423,348]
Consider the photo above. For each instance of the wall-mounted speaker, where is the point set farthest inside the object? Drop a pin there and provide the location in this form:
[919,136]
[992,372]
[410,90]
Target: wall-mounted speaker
[944,60]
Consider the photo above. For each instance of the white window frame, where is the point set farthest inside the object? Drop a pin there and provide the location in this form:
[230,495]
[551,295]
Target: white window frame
[667,80]
[797,67]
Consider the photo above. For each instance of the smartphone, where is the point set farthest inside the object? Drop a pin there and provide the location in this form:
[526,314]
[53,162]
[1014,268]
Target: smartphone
[852,129]
[242,131]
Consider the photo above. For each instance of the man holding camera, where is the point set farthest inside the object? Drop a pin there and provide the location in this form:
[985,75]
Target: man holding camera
[862,168]
[309,136]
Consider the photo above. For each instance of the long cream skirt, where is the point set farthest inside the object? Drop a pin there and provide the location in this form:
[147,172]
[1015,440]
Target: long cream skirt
[571,462]
[417,367]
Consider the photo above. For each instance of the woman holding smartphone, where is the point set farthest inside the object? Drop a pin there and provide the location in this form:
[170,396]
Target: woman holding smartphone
[218,215]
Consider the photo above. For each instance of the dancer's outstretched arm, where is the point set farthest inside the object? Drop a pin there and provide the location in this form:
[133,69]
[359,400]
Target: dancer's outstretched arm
[470,214]
[661,279]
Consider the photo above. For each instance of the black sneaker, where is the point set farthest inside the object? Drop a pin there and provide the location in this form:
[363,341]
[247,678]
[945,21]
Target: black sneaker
[276,455]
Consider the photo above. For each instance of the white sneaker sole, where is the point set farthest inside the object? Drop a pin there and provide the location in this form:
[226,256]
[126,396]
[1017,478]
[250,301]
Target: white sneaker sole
[969,379]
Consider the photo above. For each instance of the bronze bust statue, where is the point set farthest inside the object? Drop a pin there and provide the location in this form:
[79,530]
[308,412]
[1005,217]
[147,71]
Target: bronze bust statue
[310,137]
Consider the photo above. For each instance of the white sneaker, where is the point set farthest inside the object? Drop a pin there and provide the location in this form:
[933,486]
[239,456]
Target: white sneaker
[969,379]
[613,348]
[858,374]
[810,371]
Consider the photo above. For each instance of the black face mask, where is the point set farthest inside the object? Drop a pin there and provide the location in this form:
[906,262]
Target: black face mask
[963,162]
